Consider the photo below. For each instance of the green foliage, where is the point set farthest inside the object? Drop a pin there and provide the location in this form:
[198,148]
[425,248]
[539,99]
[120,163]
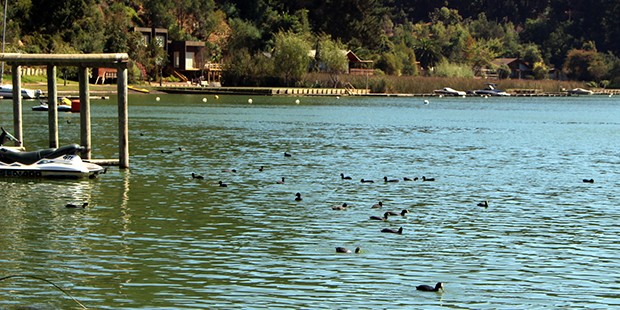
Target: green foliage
[586,65]
[394,33]
[245,69]
[390,63]
[290,57]
[540,70]
[448,69]
[331,58]
[244,35]
[503,71]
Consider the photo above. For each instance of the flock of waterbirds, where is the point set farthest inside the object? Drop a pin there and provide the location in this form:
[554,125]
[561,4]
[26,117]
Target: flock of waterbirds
[298,197]
[438,286]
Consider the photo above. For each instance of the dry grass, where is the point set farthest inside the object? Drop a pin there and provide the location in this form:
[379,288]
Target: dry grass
[426,85]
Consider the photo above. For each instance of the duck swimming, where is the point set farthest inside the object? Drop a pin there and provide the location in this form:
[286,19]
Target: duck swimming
[377,205]
[345,250]
[222,184]
[281,181]
[428,288]
[393,231]
[588,180]
[72,206]
[484,204]
[287,154]
[402,213]
[367,181]
[343,177]
[341,207]
[378,218]
[390,180]
[196,176]
[427,179]
[298,197]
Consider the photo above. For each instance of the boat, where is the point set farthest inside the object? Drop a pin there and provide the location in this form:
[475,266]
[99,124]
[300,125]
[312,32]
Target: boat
[62,162]
[6,91]
[491,90]
[580,91]
[447,91]
[64,105]
[138,89]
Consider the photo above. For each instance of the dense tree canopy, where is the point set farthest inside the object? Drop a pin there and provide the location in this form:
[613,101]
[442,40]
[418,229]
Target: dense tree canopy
[578,37]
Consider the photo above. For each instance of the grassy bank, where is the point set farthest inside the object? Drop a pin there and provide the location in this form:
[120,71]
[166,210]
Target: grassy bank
[426,85]
[377,84]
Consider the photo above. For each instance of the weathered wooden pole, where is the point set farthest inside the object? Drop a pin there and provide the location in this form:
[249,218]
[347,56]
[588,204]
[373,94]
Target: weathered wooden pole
[83,62]
[17,105]
[85,139]
[52,104]
[123,116]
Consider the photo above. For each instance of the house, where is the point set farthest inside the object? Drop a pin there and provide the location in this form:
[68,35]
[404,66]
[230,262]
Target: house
[159,34]
[518,68]
[187,58]
[103,74]
[357,66]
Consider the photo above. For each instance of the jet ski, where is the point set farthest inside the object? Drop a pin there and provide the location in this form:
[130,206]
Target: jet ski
[63,162]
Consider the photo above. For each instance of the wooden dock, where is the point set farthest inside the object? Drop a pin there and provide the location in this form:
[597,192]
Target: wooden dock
[264,91]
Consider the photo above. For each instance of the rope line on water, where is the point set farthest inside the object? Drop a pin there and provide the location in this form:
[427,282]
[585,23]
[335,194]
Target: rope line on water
[45,280]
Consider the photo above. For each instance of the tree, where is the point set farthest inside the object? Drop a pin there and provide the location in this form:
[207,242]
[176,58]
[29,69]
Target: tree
[331,57]
[585,65]
[427,52]
[243,35]
[290,56]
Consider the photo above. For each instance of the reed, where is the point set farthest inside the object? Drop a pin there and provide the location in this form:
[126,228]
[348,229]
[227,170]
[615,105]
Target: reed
[426,85]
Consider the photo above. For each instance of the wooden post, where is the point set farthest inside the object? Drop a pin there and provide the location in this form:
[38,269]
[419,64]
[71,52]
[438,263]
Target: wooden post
[123,116]
[85,139]
[17,105]
[52,104]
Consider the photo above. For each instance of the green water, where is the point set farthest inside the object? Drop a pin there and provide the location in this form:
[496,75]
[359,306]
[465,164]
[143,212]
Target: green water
[153,237]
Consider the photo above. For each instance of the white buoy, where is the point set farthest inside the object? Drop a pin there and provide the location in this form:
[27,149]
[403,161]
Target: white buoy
[157,99]
[426,102]
[337,97]
[204,99]
[297,101]
[250,100]
[217,97]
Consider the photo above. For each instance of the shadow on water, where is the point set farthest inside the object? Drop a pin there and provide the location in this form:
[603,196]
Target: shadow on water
[154,237]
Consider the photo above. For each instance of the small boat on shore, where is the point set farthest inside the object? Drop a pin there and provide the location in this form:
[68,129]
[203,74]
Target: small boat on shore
[6,92]
[580,91]
[447,91]
[64,105]
[138,89]
[491,90]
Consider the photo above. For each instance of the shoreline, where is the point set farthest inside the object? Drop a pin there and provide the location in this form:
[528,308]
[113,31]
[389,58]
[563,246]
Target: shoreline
[98,90]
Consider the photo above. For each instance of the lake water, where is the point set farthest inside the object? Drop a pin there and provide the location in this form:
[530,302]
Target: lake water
[154,238]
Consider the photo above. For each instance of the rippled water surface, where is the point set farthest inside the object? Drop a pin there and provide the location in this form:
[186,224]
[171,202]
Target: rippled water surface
[153,237]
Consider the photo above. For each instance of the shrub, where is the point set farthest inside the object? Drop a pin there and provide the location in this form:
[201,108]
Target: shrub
[448,69]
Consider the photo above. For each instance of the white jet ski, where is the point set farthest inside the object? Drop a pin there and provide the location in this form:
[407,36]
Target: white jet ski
[63,162]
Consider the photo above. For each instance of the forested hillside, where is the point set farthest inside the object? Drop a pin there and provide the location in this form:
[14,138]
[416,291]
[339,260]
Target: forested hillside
[442,38]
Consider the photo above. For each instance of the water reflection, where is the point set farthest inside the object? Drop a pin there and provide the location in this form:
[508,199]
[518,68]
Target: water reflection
[157,238]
